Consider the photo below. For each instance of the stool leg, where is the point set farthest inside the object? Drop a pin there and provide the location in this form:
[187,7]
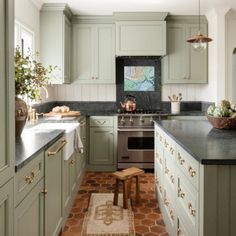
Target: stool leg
[129,187]
[137,189]
[125,194]
[116,193]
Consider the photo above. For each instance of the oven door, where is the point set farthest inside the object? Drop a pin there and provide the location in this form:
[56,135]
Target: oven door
[135,146]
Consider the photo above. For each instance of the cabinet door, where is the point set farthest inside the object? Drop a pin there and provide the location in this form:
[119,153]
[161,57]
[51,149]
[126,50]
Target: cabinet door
[6,209]
[29,214]
[197,60]
[104,53]
[72,173]
[174,65]
[7,113]
[53,184]
[83,53]
[101,146]
[67,50]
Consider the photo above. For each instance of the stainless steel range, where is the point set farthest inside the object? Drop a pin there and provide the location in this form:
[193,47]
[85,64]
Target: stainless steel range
[136,138]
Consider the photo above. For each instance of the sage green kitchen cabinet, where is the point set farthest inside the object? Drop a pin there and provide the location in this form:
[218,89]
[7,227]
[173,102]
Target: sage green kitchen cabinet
[53,185]
[102,143]
[94,53]
[72,172]
[7,102]
[183,64]
[6,209]
[140,38]
[55,40]
[29,214]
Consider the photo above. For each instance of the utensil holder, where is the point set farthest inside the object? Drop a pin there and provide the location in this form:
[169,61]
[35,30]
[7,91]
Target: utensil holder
[175,107]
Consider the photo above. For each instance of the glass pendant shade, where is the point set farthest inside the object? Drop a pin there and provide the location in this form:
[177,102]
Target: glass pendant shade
[199,41]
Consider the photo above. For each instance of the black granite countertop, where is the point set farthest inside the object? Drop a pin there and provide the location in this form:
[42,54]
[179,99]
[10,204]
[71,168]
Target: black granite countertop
[30,144]
[188,113]
[205,143]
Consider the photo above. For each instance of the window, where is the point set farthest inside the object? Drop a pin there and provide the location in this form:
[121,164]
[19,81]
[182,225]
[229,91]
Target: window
[24,38]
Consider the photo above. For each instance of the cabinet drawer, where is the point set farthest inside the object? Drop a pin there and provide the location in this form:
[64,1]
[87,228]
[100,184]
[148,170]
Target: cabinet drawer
[101,121]
[182,230]
[28,177]
[189,166]
[187,202]
[169,146]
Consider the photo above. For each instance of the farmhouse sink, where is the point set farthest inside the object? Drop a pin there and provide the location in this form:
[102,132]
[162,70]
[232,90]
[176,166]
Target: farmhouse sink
[69,134]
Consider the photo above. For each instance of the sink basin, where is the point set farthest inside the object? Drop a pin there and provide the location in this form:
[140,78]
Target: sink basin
[69,135]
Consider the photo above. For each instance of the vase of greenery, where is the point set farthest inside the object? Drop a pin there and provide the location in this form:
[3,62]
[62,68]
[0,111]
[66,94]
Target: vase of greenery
[30,77]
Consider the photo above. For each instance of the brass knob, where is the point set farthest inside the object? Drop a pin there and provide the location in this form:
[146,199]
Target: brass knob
[166,202]
[172,150]
[192,210]
[172,179]
[181,193]
[72,161]
[181,160]
[191,171]
[172,215]
[28,179]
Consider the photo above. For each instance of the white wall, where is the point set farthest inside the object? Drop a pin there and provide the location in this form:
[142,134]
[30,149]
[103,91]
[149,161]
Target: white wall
[230,45]
[27,13]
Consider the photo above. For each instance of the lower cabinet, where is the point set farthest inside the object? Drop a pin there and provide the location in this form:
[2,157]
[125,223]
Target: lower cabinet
[6,209]
[29,214]
[53,186]
[102,143]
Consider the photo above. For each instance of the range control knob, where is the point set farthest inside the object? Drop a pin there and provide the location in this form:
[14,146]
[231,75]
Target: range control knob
[122,120]
[131,120]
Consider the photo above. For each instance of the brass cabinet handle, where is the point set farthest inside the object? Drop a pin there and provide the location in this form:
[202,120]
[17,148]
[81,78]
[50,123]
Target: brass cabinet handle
[166,170]
[166,144]
[101,122]
[179,232]
[29,179]
[172,214]
[166,202]
[191,171]
[172,179]
[181,193]
[181,159]
[192,210]
[44,191]
[72,161]
[63,143]
[171,150]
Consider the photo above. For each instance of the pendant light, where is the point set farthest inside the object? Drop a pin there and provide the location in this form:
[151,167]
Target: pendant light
[199,41]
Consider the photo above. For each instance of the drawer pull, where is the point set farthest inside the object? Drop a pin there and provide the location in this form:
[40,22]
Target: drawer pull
[172,214]
[191,171]
[192,210]
[166,202]
[166,144]
[166,171]
[101,122]
[72,162]
[179,232]
[181,160]
[63,143]
[181,193]
[172,179]
[33,173]
[44,191]
[29,179]
[171,150]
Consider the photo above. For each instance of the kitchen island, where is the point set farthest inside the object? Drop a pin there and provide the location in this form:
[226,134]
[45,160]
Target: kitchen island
[195,173]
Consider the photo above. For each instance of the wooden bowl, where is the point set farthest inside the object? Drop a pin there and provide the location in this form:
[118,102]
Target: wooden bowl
[222,122]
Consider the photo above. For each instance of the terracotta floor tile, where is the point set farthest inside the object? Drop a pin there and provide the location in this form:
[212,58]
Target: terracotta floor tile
[147,218]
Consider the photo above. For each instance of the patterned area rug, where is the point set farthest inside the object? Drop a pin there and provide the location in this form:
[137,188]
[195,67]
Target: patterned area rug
[105,219]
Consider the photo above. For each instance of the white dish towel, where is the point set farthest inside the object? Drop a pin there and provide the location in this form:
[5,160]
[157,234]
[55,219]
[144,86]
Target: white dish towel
[78,145]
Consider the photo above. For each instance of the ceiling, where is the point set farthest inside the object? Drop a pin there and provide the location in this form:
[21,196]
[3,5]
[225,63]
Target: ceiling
[106,7]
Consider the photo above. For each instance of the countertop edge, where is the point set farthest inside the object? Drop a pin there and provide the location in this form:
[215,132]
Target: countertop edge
[201,161]
[35,154]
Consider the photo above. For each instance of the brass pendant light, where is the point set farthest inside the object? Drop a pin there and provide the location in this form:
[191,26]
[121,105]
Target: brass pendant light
[199,41]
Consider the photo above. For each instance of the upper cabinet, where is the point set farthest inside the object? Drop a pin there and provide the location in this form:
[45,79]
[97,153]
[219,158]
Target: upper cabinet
[182,63]
[94,53]
[7,103]
[140,38]
[55,40]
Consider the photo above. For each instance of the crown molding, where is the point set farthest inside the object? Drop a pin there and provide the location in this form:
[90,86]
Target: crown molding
[58,7]
[37,3]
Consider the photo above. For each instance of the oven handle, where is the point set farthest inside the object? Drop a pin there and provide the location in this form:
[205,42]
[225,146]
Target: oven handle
[135,130]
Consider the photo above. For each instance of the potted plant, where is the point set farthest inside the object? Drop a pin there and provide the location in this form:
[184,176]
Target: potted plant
[30,77]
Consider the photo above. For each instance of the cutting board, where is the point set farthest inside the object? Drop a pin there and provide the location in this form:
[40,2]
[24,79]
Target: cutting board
[62,114]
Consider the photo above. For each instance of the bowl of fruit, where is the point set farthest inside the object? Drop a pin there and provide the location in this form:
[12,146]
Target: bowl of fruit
[222,116]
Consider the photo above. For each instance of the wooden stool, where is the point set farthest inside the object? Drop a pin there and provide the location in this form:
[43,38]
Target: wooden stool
[125,176]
